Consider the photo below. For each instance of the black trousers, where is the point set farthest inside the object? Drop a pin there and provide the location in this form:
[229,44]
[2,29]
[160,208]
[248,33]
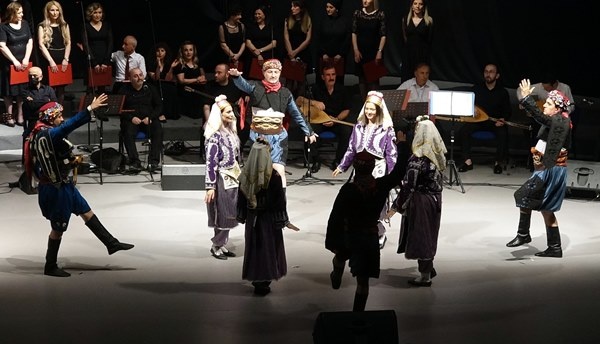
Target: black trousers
[129,132]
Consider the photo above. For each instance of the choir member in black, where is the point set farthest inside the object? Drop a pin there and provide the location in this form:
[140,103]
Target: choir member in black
[160,74]
[260,40]
[187,72]
[97,39]
[417,32]
[297,36]
[334,36]
[54,41]
[232,37]
[16,44]
[368,39]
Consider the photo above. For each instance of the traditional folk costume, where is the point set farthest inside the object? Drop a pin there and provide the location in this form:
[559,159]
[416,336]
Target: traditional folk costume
[264,96]
[262,207]
[352,229]
[545,190]
[420,199]
[222,172]
[49,155]
[377,139]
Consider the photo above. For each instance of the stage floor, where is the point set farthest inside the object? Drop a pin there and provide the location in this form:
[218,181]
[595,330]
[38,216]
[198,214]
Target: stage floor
[169,289]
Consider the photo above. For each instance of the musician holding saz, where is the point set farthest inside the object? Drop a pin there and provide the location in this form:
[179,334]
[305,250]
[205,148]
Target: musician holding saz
[329,106]
[492,98]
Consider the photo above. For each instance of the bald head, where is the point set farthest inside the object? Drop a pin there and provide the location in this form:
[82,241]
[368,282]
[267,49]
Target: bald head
[35,75]
[129,45]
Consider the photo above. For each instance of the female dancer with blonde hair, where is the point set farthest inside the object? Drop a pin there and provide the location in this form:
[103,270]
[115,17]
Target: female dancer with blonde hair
[222,172]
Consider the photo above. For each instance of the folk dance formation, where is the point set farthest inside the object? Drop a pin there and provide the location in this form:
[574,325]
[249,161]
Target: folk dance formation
[254,192]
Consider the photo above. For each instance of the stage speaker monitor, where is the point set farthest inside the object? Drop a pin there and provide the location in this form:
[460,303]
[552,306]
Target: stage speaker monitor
[583,175]
[183,177]
[379,327]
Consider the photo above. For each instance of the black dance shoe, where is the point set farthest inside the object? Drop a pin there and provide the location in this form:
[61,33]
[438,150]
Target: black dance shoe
[519,240]
[554,252]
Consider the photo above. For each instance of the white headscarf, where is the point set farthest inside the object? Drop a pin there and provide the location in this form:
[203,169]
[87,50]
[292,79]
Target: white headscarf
[428,142]
[377,99]
[214,122]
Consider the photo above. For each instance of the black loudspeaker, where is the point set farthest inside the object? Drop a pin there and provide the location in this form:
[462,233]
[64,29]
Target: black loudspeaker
[379,327]
[111,161]
[183,177]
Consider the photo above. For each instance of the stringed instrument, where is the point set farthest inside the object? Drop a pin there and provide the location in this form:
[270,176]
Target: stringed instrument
[193,90]
[319,117]
[480,116]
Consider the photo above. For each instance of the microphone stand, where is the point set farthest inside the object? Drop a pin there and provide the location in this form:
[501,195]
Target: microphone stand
[308,177]
[160,90]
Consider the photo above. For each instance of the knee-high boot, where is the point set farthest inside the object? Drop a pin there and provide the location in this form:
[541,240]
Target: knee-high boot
[360,302]
[112,244]
[523,236]
[51,268]
[554,245]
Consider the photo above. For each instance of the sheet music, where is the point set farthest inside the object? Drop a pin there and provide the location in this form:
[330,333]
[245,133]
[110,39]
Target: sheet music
[452,103]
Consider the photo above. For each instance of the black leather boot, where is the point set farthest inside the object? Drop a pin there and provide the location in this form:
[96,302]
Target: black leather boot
[523,236]
[112,244]
[360,302]
[336,275]
[554,249]
[51,268]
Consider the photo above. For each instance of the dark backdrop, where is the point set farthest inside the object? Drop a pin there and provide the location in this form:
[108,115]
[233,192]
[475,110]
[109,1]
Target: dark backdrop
[526,37]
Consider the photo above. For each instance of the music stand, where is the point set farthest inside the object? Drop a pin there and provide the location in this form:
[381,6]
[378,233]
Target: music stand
[454,104]
[114,107]
[396,102]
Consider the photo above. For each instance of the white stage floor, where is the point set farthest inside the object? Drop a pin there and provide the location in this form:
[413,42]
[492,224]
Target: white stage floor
[169,289]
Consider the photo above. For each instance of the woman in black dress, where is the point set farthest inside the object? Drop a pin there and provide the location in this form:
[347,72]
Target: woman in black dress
[260,41]
[16,44]
[334,38]
[417,31]
[160,74]
[368,40]
[232,37]
[97,40]
[54,40]
[297,35]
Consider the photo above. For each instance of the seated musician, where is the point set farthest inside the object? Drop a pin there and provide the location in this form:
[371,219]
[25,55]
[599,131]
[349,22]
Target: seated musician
[329,99]
[492,98]
[223,85]
[419,88]
[144,105]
